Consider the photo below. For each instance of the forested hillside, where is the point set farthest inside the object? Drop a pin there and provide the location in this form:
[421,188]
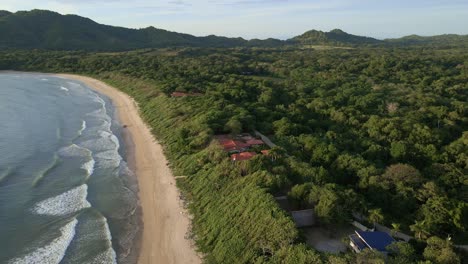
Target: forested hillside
[46,30]
[334,37]
[41,29]
[378,131]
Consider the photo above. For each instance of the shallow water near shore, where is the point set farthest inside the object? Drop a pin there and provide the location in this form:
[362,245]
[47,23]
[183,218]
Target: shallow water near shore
[66,192]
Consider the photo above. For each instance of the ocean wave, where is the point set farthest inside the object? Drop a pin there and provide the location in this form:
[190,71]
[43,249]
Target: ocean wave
[98,99]
[93,229]
[54,251]
[106,141]
[75,151]
[108,256]
[88,167]
[83,127]
[108,159]
[64,88]
[66,203]
[44,79]
[42,173]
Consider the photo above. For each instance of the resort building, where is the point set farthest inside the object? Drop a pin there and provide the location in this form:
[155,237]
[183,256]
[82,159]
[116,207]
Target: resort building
[361,240]
[242,156]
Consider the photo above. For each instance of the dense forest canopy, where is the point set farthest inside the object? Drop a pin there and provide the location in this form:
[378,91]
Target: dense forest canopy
[378,131]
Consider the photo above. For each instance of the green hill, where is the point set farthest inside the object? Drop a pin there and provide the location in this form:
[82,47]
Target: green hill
[334,37]
[447,39]
[40,29]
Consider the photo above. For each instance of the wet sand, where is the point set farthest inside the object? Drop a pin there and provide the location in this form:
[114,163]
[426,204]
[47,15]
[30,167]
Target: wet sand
[165,222]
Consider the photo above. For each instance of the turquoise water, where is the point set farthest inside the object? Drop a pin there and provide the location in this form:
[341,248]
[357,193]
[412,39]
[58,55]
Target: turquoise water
[66,193]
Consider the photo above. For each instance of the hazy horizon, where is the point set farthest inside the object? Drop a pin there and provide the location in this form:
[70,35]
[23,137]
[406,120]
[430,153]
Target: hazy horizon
[268,18]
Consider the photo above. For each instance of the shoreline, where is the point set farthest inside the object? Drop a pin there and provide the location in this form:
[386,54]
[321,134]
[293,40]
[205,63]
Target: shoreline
[165,221]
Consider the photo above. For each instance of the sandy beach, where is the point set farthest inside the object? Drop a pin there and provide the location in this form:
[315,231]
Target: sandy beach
[165,222]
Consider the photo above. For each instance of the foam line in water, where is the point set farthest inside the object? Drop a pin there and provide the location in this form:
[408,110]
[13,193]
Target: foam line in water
[89,167]
[54,251]
[5,173]
[64,88]
[83,127]
[75,151]
[66,203]
[42,173]
[108,256]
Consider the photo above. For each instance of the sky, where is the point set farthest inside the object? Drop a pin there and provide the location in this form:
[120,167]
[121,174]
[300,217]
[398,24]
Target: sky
[268,18]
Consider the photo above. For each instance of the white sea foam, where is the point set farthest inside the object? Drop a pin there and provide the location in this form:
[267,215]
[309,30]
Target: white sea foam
[44,79]
[109,255]
[64,88]
[66,203]
[98,99]
[54,251]
[106,141]
[108,159]
[83,127]
[75,151]
[89,167]
[91,231]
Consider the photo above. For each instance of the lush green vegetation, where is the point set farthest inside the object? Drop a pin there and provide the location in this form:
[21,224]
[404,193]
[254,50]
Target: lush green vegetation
[41,29]
[377,131]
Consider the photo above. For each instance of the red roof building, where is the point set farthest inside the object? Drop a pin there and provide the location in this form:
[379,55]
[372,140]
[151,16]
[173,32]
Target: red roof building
[254,142]
[232,145]
[243,156]
[266,152]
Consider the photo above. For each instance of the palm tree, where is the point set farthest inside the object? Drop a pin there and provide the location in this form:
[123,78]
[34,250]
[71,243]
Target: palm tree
[419,229]
[276,153]
[395,228]
[375,216]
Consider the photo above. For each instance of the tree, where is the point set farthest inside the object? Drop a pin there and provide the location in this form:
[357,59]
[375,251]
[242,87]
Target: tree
[419,228]
[369,256]
[234,126]
[402,174]
[401,253]
[376,216]
[440,251]
[398,150]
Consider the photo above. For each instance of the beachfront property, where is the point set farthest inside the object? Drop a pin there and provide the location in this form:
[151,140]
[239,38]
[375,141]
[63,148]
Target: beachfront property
[239,147]
[376,240]
[242,156]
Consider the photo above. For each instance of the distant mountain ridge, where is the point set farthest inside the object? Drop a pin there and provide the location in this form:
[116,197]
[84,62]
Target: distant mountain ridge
[42,29]
[336,36]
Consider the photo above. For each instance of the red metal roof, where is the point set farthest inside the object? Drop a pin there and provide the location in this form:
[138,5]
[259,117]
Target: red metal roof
[266,152]
[253,142]
[230,145]
[242,156]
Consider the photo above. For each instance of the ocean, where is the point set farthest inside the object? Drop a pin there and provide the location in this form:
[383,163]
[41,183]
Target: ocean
[66,192]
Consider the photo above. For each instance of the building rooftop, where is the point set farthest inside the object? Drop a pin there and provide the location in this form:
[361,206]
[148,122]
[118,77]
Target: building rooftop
[374,240]
[241,144]
[243,156]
